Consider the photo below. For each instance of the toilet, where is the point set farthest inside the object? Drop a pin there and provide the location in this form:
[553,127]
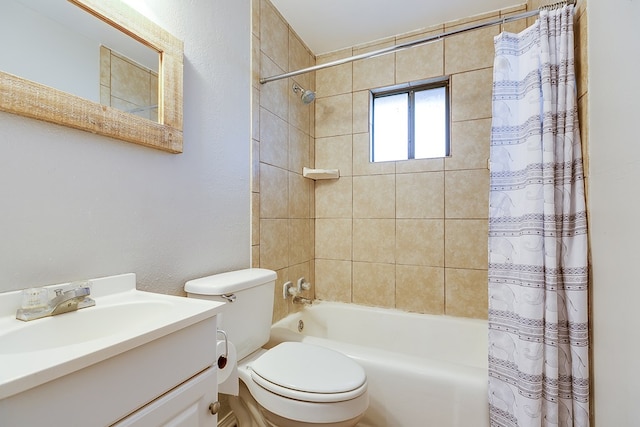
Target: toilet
[293,384]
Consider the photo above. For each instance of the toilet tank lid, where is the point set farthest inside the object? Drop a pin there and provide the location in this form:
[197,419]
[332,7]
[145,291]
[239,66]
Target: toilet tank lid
[230,282]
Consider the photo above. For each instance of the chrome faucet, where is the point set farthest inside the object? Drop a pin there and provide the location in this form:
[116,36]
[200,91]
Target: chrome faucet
[37,304]
[302,300]
[289,289]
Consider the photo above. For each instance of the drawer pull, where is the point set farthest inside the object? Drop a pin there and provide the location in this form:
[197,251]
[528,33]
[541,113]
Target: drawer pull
[214,408]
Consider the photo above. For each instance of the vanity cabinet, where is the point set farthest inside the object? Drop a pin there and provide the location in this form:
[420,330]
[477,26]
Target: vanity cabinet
[170,380]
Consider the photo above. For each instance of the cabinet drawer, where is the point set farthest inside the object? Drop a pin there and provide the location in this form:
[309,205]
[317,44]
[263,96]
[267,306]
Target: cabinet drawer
[185,406]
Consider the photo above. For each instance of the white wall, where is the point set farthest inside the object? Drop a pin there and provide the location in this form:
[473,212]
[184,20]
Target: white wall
[614,64]
[75,205]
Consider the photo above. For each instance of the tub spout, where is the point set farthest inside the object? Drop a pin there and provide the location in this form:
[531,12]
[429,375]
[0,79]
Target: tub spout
[302,300]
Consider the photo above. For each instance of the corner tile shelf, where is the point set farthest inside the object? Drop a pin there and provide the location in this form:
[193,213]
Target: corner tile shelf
[317,174]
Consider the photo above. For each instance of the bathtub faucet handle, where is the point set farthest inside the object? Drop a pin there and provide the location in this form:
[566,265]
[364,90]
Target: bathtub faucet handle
[303,285]
[288,289]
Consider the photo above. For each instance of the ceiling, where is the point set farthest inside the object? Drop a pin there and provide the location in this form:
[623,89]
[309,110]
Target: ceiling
[329,25]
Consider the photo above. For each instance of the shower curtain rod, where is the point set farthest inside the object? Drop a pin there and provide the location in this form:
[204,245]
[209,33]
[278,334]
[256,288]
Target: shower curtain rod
[418,42]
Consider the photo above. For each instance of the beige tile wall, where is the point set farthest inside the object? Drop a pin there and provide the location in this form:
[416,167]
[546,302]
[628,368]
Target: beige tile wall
[409,235]
[282,143]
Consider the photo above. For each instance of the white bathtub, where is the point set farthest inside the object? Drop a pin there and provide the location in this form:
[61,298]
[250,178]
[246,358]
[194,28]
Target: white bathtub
[423,370]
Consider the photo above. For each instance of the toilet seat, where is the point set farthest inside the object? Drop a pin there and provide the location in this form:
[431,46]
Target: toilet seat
[340,403]
[309,373]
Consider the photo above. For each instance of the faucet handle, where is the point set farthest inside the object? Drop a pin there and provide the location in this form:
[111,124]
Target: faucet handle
[34,298]
[303,285]
[289,290]
[70,290]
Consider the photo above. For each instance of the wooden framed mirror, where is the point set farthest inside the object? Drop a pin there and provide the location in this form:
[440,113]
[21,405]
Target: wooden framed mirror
[28,98]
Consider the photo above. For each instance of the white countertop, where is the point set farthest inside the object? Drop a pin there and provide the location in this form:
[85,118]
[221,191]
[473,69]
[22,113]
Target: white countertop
[38,351]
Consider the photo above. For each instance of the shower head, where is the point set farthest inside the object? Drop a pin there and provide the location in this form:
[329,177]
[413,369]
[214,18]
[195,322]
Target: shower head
[307,96]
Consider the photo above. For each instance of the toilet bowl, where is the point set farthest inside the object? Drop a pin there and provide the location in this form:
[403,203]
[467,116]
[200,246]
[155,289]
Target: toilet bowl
[293,384]
[305,385]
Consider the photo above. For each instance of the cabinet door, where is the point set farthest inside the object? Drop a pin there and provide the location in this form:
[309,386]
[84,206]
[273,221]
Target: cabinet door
[185,406]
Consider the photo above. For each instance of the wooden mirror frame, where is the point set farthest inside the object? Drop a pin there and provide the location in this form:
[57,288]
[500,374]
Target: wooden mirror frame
[31,99]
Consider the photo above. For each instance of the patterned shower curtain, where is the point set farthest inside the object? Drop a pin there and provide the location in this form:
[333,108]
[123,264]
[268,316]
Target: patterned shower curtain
[538,316]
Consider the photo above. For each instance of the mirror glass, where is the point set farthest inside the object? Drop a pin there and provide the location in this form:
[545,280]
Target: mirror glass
[116,74]
[59,45]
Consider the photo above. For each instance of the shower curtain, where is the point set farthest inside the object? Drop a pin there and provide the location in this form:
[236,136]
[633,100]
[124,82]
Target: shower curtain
[538,317]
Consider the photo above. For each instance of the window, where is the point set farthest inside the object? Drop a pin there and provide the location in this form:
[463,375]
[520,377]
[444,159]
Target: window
[410,122]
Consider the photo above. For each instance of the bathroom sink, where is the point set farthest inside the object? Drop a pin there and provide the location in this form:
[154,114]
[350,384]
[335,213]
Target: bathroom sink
[80,327]
[38,351]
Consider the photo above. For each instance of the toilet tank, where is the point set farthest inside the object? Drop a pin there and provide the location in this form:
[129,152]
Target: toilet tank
[246,317]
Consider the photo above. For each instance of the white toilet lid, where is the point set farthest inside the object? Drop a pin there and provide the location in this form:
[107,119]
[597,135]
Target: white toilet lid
[295,368]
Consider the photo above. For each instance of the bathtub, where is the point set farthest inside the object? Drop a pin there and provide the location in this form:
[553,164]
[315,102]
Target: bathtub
[422,370]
